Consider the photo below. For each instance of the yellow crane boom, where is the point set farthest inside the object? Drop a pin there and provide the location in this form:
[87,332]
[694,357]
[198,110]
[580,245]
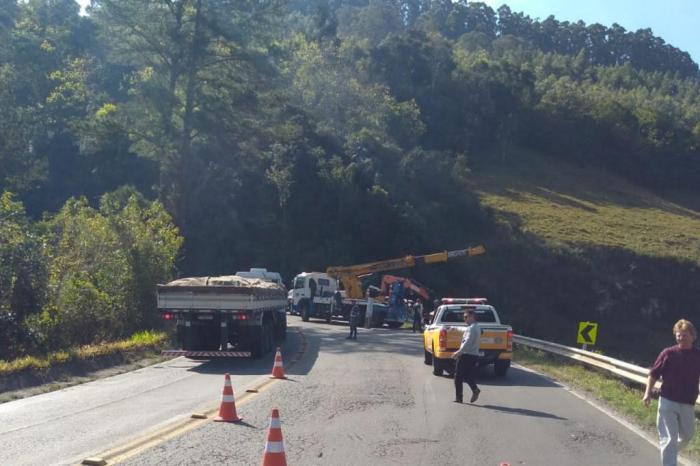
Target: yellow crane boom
[349,275]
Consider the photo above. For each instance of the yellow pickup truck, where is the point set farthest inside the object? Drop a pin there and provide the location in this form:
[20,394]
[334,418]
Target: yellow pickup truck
[444,335]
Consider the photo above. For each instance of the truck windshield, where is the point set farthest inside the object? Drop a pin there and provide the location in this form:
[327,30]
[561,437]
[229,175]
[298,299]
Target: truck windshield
[299,283]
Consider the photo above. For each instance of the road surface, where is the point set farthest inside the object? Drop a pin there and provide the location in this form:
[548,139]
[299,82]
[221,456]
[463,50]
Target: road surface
[369,401]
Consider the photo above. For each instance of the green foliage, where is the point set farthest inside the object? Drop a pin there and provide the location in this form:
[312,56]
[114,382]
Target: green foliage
[297,135]
[152,242]
[22,274]
[103,267]
[88,278]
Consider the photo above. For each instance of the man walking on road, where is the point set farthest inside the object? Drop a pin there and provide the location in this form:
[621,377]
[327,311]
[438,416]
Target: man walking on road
[678,367]
[467,357]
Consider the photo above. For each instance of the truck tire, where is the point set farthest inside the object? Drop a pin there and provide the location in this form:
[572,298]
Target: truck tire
[211,338]
[304,311]
[281,330]
[427,358]
[437,366]
[268,337]
[256,349]
[394,324]
[500,367]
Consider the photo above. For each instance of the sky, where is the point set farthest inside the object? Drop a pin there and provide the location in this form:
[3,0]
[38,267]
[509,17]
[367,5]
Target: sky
[677,22]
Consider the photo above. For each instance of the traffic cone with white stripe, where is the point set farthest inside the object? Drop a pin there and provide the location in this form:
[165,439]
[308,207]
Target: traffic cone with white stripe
[227,410]
[278,368]
[274,447]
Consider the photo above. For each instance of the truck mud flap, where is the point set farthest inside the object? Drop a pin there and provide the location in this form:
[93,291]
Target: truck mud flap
[207,354]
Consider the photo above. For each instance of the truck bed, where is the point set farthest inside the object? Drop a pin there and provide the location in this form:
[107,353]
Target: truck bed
[220,293]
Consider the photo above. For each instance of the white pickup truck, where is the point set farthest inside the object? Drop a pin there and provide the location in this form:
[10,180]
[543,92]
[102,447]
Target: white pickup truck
[224,316]
[444,335]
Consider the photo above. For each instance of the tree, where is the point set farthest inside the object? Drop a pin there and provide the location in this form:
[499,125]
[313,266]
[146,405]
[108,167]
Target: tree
[22,276]
[191,60]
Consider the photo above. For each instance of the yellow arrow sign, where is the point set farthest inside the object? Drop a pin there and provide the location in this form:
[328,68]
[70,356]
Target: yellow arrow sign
[587,333]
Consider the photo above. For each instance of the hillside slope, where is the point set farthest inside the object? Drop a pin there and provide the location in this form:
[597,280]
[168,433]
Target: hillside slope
[579,244]
[575,207]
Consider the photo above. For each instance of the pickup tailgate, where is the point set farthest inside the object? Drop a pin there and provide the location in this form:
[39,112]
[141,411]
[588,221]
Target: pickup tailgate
[493,337]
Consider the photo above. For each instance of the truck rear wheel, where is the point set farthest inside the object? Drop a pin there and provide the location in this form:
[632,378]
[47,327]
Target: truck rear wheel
[281,330]
[437,366]
[268,337]
[500,367]
[264,342]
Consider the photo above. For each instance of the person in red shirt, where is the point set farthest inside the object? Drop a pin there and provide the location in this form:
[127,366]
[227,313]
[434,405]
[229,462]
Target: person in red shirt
[678,367]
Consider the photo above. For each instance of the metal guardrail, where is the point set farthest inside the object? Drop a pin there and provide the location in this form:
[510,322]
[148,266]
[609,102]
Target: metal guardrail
[622,369]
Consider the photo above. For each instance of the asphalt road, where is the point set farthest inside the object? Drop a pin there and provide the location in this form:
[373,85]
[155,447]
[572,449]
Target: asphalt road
[66,426]
[370,401]
[373,401]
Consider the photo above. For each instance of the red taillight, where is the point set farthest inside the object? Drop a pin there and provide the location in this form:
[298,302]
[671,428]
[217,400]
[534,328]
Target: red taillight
[509,337]
[240,316]
[168,316]
[442,339]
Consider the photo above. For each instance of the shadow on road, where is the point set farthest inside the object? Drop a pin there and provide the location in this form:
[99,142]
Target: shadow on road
[290,347]
[520,411]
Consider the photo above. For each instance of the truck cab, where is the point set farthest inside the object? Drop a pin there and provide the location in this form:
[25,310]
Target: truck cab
[312,295]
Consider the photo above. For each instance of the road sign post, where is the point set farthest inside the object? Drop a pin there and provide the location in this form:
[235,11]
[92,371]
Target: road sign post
[587,333]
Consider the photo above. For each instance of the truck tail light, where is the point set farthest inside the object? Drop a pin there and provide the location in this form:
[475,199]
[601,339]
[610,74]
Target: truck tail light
[509,339]
[167,315]
[242,315]
[442,340]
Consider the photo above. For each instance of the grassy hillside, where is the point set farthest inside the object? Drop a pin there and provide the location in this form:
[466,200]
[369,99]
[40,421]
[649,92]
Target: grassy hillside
[574,207]
[579,244]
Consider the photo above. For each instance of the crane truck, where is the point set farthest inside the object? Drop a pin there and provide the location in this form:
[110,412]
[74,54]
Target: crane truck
[395,289]
[313,292]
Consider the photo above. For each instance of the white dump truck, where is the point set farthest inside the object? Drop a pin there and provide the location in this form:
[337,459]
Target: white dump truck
[224,316]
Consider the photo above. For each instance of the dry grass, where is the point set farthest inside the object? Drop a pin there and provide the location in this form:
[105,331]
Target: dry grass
[581,207]
[140,340]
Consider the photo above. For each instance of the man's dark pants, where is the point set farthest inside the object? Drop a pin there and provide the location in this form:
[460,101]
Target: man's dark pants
[417,326]
[464,371]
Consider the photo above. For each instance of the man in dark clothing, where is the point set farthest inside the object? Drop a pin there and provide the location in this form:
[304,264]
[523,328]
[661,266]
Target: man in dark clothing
[678,367]
[417,318]
[467,357]
[354,321]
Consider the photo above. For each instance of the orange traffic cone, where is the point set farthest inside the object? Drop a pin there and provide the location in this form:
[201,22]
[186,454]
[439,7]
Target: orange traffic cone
[274,447]
[227,411]
[278,368]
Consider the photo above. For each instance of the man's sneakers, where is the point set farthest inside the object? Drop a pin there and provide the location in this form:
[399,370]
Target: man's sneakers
[475,395]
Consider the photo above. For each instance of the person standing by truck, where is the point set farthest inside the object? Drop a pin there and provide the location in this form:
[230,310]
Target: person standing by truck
[417,317]
[467,357]
[678,367]
[354,321]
